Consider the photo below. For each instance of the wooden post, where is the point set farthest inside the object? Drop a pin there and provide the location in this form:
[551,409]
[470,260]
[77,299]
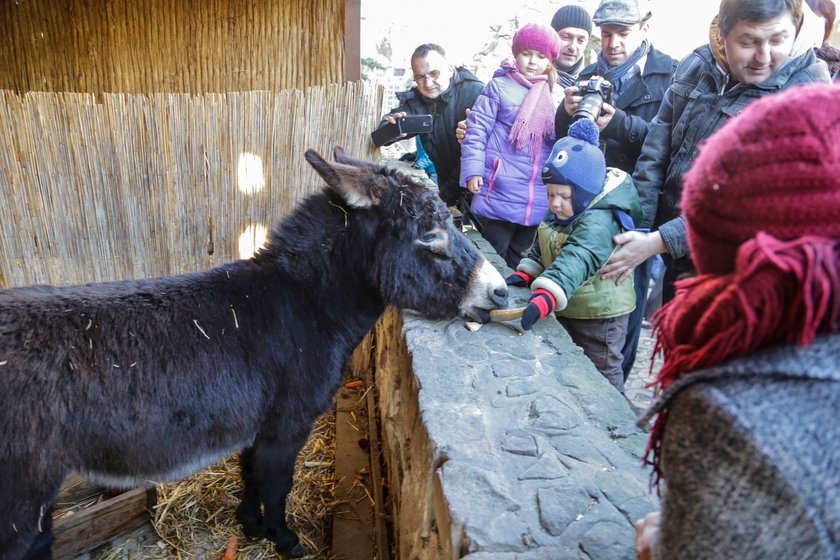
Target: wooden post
[352,40]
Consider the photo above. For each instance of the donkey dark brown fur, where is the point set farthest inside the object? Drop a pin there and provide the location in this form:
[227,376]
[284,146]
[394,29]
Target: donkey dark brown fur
[138,382]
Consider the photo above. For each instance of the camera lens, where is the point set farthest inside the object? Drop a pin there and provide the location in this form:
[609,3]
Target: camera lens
[589,107]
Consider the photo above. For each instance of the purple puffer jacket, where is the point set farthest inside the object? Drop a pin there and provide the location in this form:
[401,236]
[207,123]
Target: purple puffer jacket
[513,190]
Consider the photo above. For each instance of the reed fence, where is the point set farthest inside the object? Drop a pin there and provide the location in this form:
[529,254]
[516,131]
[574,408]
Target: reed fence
[117,186]
[178,46]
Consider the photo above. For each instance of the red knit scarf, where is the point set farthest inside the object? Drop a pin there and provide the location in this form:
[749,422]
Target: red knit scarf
[780,291]
[535,118]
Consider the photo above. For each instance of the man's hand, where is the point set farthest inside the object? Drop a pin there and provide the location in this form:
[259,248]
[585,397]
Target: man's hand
[607,113]
[634,248]
[393,118]
[647,533]
[461,129]
[474,184]
[571,100]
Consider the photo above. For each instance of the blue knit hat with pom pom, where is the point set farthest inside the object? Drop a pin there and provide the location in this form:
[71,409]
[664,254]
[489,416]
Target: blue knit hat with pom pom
[577,161]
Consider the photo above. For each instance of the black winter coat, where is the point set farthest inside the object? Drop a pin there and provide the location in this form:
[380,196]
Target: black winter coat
[446,110]
[634,110]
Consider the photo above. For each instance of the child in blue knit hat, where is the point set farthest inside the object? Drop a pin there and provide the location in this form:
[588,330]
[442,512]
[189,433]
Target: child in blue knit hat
[588,205]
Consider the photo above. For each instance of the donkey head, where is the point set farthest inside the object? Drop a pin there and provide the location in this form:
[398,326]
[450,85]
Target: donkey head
[417,259]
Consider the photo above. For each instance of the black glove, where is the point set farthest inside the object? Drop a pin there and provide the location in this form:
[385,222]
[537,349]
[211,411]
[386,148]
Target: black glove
[541,305]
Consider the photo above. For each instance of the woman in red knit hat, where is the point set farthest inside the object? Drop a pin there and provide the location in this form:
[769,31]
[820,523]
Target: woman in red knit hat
[746,436]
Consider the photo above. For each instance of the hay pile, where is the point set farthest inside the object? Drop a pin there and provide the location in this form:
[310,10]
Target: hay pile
[195,517]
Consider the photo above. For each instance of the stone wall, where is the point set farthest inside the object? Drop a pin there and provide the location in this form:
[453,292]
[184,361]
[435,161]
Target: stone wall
[503,445]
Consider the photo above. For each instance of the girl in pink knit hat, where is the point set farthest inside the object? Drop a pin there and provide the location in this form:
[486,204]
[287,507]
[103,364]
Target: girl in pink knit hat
[510,132]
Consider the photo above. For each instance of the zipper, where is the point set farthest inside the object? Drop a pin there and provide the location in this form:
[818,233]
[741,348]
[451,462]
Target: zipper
[496,166]
[532,183]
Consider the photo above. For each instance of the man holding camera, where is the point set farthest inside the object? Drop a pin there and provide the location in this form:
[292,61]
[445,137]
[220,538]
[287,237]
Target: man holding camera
[764,53]
[445,93]
[638,73]
[636,76]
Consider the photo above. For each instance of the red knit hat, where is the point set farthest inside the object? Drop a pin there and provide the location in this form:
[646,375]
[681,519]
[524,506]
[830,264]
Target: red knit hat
[536,37]
[775,168]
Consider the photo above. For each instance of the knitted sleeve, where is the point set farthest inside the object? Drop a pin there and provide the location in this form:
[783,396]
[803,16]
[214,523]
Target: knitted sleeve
[732,460]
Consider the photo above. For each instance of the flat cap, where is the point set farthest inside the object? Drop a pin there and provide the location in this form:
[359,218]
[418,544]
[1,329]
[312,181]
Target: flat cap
[621,12]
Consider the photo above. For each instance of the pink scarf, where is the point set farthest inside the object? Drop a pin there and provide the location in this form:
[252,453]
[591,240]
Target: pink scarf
[535,119]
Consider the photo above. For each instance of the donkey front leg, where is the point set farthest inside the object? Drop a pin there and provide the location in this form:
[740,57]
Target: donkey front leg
[267,469]
[26,514]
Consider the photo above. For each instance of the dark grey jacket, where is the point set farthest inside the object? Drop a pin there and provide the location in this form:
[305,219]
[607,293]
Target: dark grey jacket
[751,456]
[692,110]
[634,110]
[446,110]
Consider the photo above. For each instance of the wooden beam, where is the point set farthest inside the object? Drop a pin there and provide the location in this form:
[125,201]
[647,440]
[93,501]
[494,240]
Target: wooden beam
[352,40]
[98,524]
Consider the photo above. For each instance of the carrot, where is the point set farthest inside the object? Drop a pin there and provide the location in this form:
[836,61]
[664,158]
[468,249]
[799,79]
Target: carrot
[354,384]
[230,551]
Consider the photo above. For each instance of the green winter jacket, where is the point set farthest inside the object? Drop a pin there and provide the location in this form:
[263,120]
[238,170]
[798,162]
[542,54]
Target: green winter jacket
[565,259]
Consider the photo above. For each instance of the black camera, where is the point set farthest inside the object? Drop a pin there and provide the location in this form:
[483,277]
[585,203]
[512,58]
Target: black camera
[595,91]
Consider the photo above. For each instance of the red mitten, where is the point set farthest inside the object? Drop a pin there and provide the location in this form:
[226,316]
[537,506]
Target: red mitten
[519,278]
[541,305]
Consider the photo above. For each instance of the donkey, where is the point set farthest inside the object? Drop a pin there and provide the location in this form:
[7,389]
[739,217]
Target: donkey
[145,381]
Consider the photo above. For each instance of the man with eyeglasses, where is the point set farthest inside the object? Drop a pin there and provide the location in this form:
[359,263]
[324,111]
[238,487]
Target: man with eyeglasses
[445,92]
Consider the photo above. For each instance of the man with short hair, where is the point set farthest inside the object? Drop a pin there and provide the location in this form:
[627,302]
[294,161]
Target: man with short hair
[445,92]
[759,39]
[639,74]
[573,26]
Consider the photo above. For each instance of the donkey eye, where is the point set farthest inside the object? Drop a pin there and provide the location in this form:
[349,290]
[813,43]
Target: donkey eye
[435,240]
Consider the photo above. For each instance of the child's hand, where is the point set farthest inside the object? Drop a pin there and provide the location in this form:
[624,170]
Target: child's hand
[647,532]
[519,278]
[461,129]
[474,184]
[541,305]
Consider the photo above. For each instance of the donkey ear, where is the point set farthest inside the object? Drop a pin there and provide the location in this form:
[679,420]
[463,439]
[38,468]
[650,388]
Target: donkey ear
[342,157]
[356,185]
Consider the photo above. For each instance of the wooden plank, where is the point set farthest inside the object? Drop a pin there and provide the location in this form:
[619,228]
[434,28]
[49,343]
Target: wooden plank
[380,528]
[353,518]
[98,524]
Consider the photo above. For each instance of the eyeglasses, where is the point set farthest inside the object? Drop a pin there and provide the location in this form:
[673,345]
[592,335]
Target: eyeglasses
[433,76]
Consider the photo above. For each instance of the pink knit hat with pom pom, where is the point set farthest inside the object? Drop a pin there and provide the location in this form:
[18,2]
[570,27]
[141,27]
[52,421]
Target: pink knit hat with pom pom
[536,37]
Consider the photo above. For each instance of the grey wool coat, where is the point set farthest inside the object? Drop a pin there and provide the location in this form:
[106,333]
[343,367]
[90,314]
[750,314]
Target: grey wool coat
[751,458]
